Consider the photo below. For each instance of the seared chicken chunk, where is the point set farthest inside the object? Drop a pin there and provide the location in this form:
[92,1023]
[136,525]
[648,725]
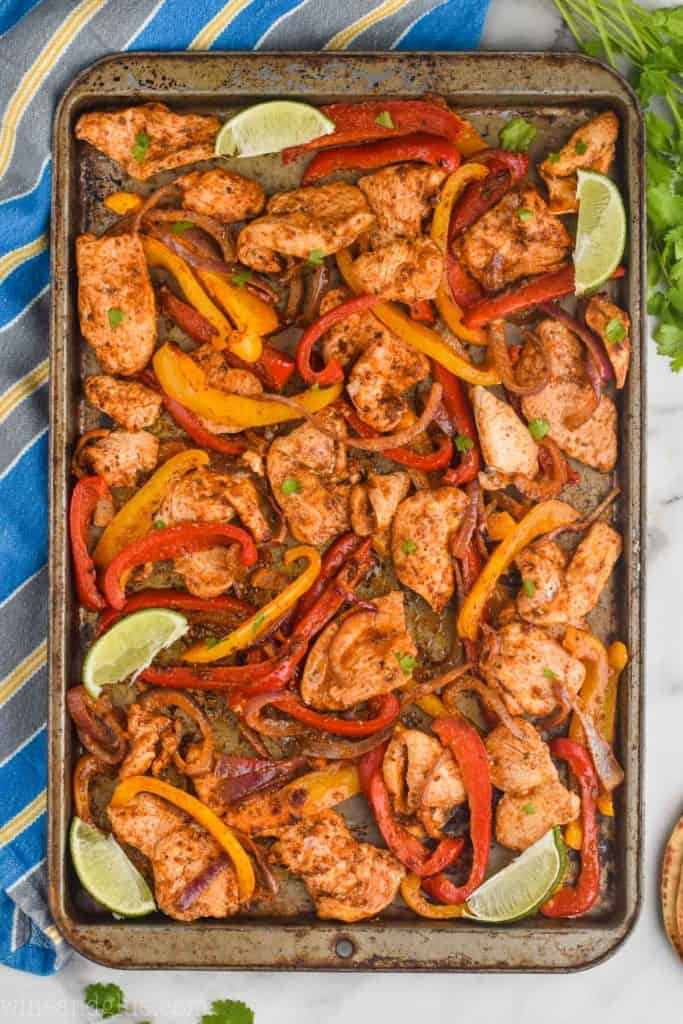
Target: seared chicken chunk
[401,197]
[153,739]
[407,270]
[313,466]
[121,456]
[150,138]
[379,379]
[373,505]
[131,405]
[116,302]
[521,819]
[595,441]
[613,325]
[423,778]
[359,656]
[224,195]
[527,666]
[590,569]
[424,526]
[506,444]
[346,340]
[517,238]
[519,763]
[348,881]
[182,854]
[590,147]
[234,381]
[321,219]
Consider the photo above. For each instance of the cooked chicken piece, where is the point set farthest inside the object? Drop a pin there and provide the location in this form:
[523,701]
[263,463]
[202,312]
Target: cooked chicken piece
[423,528]
[180,853]
[401,197]
[379,379]
[321,219]
[590,569]
[150,138]
[219,374]
[405,270]
[590,147]
[367,654]
[153,739]
[373,505]
[315,501]
[267,814]
[210,573]
[614,327]
[506,244]
[527,665]
[519,763]
[543,598]
[224,195]
[506,444]
[131,405]
[423,778]
[121,456]
[348,881]
[116,302]
[346,340]
[595,442]
[521,819]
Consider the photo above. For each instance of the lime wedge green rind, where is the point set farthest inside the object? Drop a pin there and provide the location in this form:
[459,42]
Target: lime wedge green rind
[524,885]
[270,128]
[130,646]
[106,872]
[600,232]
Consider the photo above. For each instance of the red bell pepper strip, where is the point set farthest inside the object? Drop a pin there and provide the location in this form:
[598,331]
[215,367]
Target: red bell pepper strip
[87,494]
[429,149]
[274,368]
[333,596]
[333,372]
[337,553]
[427,462]
[504,170]
[192,425]
[516,163]
[422,312]
[159,545]
[464,289]
[385,708]
[544,288]
[570,901]
[358,122]
[240,680]
[172,599]
[459,412]
[400,841]
[470,754]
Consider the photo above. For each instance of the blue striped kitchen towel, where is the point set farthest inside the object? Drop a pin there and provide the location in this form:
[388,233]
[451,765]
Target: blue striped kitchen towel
[43,44]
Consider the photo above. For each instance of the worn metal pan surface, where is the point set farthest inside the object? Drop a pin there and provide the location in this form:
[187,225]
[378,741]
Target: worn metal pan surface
[556,92]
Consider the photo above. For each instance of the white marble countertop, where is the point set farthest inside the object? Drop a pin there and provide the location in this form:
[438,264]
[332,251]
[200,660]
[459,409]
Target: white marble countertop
[644,980]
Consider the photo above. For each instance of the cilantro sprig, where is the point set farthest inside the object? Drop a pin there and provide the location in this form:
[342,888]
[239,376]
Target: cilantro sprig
[649,45]
[517,135]
[108,999]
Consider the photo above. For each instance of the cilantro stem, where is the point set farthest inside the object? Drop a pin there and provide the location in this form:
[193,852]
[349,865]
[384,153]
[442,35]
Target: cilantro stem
[634,32]
[675,111]
[573,28]
[604,38]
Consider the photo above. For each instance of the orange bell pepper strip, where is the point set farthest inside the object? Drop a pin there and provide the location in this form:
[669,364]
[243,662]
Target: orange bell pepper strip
[136,518]
[249,630]
[617,660]
[412,895]
[542,518]
[420,337]
[500,525]
[123,202]
[224,836]
[450,312]
[185,381]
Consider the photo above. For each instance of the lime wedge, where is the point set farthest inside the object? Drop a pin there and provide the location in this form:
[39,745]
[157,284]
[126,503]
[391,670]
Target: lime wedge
[129,646]
[520,888]
[601,230]
[270,127]
[106,873]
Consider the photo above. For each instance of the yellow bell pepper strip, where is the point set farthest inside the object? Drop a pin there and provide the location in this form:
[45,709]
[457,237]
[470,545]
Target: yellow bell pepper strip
[617,660]
[129,788]
[412,895]
[249,630]
[158,255]
[420,337]
[542,518]
[123,202]
[305,797]
[450,311]
[136,518]
[250,314]
[500,525]
[433,706]
[185,381]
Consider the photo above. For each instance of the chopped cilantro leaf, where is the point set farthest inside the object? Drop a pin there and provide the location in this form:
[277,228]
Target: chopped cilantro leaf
[580,147]
[139,151]
[528,808]
[290,486]
[115,317]
[228,1011]
[553,158]
[179,227]
[211,641]
[463,443]
[549,674]
[615,331]
[159,524]
[384,120]
[517,135]
[241,276]
[258,622]
[538,428]
[529,587]
[108,999]
[524,215]
[408,546]
[406,661]
[315,257]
